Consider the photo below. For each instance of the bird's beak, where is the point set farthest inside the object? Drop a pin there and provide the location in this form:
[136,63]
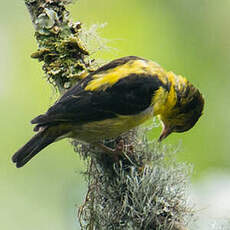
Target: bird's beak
[165,132]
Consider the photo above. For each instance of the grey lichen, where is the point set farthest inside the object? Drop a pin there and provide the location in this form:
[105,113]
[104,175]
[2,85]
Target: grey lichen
[145,189]
[94,41]
[46,21]
[65,57]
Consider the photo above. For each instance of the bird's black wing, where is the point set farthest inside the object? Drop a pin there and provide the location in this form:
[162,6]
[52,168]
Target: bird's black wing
[128,96]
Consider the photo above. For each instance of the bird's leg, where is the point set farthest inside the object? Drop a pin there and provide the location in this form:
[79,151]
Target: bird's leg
[106,149]
[111,153]
[114,152]
[119,151]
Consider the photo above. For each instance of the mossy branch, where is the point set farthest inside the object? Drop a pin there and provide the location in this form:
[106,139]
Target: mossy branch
[65,58]
[143,188]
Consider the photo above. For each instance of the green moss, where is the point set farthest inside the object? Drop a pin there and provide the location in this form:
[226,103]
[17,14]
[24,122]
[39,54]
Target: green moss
[63,54]
[73,46]
[40,54]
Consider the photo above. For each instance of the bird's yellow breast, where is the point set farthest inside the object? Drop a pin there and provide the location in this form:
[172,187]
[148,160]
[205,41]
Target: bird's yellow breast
[110,128]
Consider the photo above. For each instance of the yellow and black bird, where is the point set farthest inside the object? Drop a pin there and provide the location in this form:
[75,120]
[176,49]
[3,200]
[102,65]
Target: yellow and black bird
[114,99]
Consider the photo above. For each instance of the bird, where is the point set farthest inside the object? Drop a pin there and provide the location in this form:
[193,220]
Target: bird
[113,99]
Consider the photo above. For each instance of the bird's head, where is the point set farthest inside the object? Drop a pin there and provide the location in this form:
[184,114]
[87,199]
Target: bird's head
[186,111]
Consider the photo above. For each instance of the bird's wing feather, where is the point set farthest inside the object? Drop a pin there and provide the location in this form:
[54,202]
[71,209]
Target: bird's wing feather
[128,96]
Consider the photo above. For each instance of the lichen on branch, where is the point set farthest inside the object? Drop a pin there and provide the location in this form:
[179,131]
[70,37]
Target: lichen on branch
[146,189]
[64,56]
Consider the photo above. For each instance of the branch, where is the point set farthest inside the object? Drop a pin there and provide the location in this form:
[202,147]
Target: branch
[141,189]
[144,190]
[65,58]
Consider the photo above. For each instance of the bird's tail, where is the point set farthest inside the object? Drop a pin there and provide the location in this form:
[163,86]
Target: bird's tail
[32,147]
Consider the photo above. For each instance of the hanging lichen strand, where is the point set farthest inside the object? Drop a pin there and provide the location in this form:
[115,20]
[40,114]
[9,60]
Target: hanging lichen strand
[65,58]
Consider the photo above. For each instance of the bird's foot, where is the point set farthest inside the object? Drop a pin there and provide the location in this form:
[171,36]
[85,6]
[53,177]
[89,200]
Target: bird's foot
[105,148]
[120,145]
[114,153]
[120,149]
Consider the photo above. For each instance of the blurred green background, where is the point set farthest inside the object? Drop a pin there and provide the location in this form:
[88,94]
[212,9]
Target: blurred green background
[191,38]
